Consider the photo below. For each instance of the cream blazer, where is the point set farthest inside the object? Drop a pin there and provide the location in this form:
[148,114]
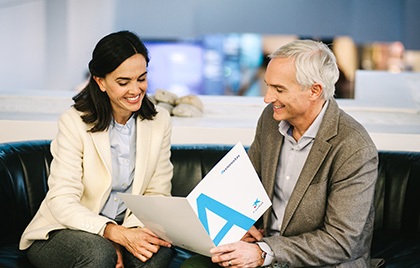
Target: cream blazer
[80,177]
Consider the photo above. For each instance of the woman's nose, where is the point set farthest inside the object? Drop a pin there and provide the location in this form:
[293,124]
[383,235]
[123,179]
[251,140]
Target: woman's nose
[138,87]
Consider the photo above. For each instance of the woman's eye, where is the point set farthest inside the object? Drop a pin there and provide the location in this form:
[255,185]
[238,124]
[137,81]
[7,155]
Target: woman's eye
[122,84]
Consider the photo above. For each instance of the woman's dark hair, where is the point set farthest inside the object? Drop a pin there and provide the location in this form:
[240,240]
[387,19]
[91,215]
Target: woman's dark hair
[109,53]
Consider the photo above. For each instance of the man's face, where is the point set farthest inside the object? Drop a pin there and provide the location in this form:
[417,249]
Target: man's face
[290,102]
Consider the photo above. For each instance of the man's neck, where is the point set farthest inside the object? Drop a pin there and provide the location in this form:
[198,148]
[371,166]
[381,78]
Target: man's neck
[299,128]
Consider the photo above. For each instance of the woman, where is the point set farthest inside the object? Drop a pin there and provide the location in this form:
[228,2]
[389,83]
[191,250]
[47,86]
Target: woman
[112,140]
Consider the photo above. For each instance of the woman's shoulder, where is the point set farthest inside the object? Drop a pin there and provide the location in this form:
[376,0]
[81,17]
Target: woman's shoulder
[162,113]
[71,113]
[73,117]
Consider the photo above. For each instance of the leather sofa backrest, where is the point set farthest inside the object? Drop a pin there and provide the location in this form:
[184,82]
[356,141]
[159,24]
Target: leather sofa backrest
[397,194]
[24,169]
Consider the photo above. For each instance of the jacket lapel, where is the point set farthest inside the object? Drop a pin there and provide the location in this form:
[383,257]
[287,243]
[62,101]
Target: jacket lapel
[314,161]
[103,147]
[275,139]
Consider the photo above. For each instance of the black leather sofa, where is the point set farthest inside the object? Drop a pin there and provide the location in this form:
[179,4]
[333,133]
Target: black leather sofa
[24,168]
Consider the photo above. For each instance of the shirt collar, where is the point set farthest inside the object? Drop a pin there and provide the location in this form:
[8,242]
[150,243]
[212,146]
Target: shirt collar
[120,127]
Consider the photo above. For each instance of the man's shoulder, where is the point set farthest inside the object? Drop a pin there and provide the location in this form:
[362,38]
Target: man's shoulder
[343,125]
[342,131]
[349,124]
[353,132]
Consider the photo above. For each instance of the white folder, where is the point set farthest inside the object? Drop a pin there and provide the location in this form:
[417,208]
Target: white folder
[172,219]
[219,210]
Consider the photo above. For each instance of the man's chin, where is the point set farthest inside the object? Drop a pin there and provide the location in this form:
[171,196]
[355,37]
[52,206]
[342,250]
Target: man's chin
[278,117]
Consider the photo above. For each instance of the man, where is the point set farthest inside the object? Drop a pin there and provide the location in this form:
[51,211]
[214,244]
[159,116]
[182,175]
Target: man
[318,165]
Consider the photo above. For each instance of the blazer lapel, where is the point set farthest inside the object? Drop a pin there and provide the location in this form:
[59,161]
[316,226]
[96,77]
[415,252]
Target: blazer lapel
[143,141]
[314,161]
[271,165]
[103,147]
[269,169]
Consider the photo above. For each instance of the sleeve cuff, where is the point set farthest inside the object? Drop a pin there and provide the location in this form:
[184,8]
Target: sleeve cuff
[269,257]
[102,230]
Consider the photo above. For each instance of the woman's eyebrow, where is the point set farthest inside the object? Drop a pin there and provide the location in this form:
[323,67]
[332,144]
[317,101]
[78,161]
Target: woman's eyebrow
[127,78]
[143,74]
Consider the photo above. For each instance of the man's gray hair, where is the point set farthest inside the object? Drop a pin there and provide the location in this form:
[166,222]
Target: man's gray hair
[314,62]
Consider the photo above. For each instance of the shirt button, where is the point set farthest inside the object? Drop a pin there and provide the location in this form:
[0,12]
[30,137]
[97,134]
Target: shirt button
[124,185]
[115,199]
[287,177]
[125,160]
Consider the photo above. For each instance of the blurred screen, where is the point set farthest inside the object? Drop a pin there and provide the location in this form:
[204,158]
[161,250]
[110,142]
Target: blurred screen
[175,67]
[214,64]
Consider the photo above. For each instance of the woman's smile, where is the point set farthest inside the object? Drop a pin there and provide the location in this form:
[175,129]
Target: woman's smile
[134,99]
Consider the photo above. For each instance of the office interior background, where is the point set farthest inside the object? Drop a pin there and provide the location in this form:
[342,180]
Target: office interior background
[202,47]
[216,50]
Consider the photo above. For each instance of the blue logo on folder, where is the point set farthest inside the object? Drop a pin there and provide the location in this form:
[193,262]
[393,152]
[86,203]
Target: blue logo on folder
[256,203]
[232,216]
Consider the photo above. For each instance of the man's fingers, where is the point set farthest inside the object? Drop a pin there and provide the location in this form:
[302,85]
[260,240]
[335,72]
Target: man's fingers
[222,256]
[223,249]
[255,233]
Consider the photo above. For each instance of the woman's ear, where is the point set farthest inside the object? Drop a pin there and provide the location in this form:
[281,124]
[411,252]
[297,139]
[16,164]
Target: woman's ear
[99,81]
[316,91]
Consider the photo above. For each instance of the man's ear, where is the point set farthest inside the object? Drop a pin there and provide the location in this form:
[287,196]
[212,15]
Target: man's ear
[99,81]
[316,91]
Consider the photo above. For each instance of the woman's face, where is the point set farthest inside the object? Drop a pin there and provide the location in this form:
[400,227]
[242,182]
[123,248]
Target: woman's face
[126,87]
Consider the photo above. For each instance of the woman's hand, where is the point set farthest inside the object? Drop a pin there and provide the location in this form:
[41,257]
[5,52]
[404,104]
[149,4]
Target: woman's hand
[120,260]
[141,242]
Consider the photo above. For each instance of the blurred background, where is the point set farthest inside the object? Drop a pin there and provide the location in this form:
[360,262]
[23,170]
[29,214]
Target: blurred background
[216,47]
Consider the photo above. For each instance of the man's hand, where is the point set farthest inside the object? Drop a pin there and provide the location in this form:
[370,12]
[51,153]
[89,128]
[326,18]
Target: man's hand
[239,254]
[253,235]
[141,242]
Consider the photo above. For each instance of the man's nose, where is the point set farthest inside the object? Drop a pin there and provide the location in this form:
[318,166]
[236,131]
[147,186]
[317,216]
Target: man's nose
[269,96]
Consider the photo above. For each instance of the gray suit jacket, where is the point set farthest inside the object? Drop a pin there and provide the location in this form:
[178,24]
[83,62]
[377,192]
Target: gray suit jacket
[329,218]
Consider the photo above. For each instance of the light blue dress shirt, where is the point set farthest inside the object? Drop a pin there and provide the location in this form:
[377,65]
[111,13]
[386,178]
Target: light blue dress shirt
[123,153]
[293,155]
